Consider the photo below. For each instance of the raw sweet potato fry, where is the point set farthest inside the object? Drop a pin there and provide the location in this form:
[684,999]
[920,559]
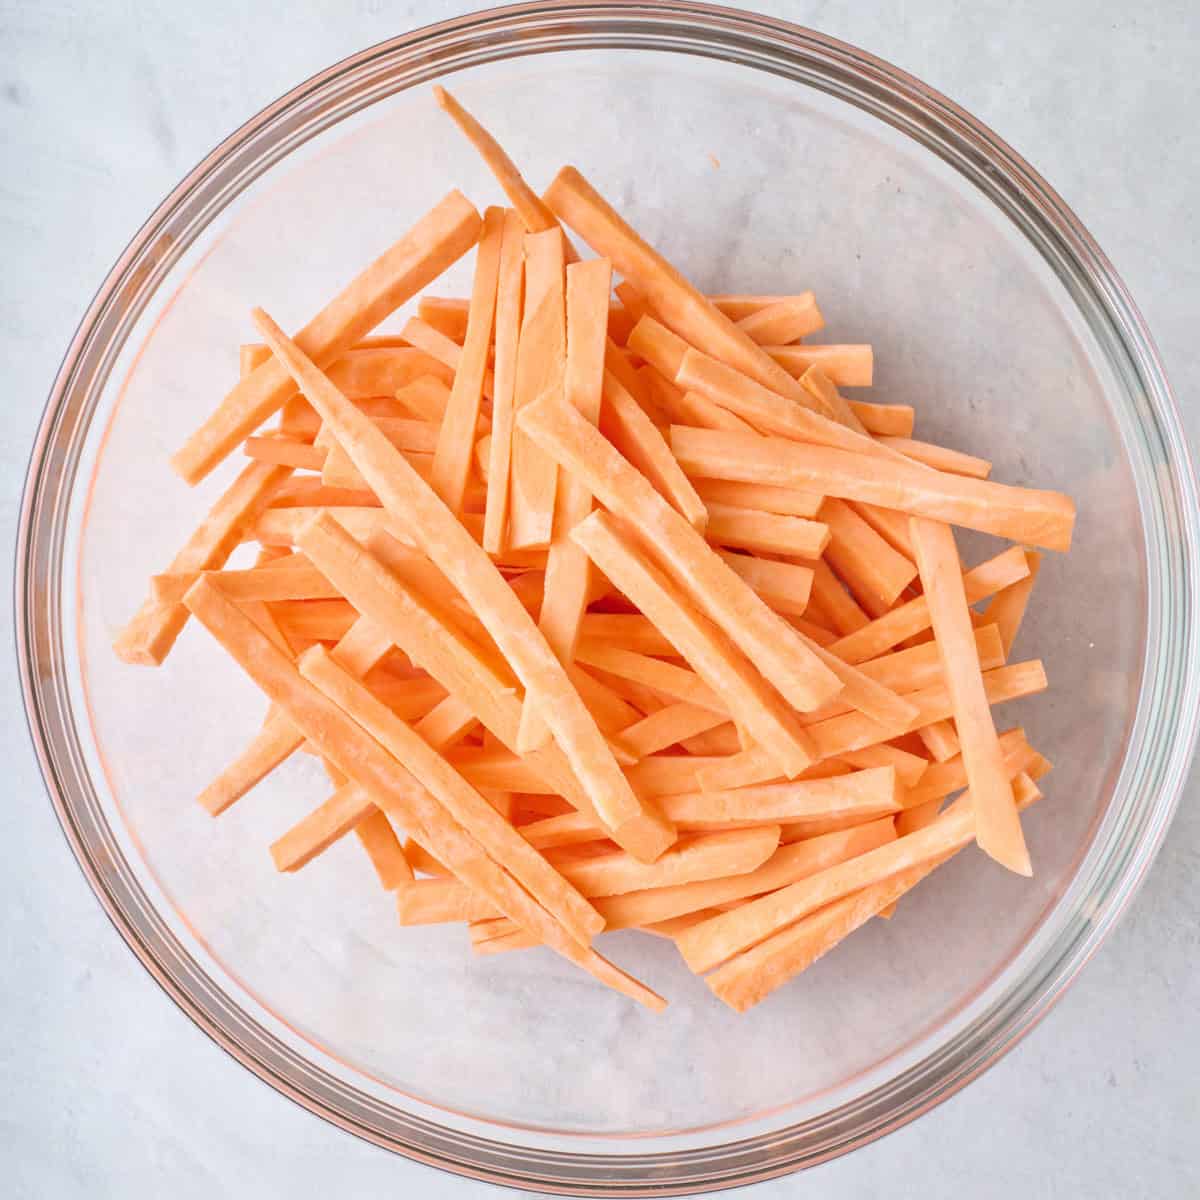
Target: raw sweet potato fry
[1007,607]
[784,321]
[846,366]
[1024,514]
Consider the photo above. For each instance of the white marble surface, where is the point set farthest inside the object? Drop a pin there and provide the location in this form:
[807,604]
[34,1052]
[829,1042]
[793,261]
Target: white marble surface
[108,1089]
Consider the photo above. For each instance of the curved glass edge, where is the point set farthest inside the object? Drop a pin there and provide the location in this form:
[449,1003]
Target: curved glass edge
[1147,791]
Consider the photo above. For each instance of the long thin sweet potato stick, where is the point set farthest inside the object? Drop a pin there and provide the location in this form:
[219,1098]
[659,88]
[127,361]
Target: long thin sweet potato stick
[670,725]
[568,572]
[464,562]
[1024,514]
[360,757]
[784,321]
[771,533]
[292,582]
[998,828]
[443,349]
[452,458]
[753,975]
[436,241]
[941,458]
[884,420]
[1007,608]
[463,802]
[785,501]
[845,365]
[285,452]
[770,643]
[873,571]
[943,779]
[149,636]
[533,213]
[715,659]
[913,617]
[676,682]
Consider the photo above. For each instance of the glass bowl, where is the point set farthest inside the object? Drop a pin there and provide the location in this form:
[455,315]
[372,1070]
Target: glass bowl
[758,156]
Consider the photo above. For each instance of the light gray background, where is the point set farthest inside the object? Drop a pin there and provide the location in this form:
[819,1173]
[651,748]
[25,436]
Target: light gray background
[106,1089]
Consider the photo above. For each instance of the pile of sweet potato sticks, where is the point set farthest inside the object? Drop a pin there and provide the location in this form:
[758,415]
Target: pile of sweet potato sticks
[612,605]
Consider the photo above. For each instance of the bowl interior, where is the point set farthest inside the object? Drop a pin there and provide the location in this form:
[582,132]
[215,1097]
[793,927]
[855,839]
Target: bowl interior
[749,183]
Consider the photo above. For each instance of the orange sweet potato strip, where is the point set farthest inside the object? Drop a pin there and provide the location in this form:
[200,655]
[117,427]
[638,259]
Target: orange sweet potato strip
[273,743]
[568,572]
[378,839]
[785,501]
[1024,514]
[1007,607]
[291,582]
[997,824]
[863,795]
[626,425]
[149,636]
[751,976]
[784,321]
[912,618]
[668,726]
[714,658]
[770,643]
[452,457]
[785,586]
[846,365]
[379,778]
[787,865]
[910,768]
[943,779]
[672,299]
[541,357]
[533,213]
[712,942]
[874,572]
[285,452]
[464,562]
[884,420]
[750,529]
[689,408]
[459,798]
[439,239]
[829,599]
[941,458]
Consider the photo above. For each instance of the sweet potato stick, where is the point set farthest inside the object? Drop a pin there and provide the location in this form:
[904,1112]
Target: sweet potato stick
[997,824]
[441,237]
[626,425]
[446,723]
[377,777]
[884,420]
[672,299]
[784,321]
[464,562]
[786,866]
[541,354]
[770,643]
[568,572]
[831,602]
[462,801]
[913,617]
[751,976]
[718,663]
[273,743]
[369,374]
[955,462]
[666,727]
[846,365]
[785,501]
[302,582]
[1007,608]
[710,943]
[378,838]
[873,571]
[452,458]
[910,768]
[1024,514]
[771,533]
[784,586]
[533,213]
[285,452]
[859,794]
[149,636]
[443,349]
[676,682]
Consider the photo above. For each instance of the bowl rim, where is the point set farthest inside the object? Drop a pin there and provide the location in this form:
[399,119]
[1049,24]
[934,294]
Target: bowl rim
[748,39]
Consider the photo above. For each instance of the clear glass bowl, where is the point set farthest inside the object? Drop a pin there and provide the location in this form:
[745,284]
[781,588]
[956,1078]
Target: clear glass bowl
[758,156]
